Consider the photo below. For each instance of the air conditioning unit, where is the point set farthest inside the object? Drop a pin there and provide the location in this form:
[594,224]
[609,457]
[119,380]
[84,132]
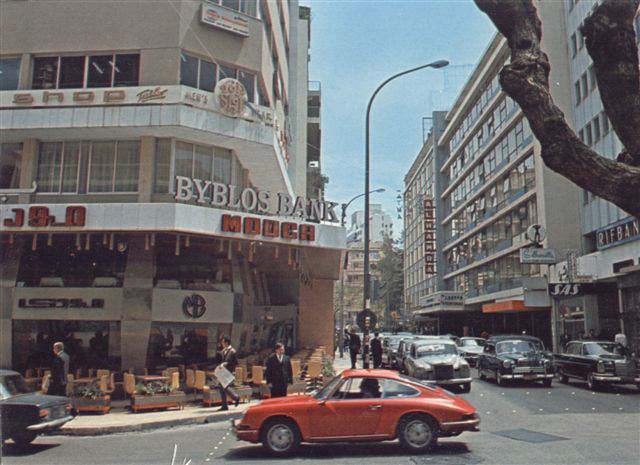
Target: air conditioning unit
[314,164]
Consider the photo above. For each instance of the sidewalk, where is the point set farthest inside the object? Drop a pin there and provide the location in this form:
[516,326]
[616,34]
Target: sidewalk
[341,364]
[121,420]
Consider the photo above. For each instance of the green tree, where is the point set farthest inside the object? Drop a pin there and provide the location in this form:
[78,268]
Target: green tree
[390,269]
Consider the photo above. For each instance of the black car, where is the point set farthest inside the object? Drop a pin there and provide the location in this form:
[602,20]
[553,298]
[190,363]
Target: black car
[598,363]
[519,357]
[26,414]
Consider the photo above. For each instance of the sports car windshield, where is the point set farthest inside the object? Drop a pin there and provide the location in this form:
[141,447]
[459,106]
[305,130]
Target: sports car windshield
[324,392]
[515,347]
[12,385]
[436,349]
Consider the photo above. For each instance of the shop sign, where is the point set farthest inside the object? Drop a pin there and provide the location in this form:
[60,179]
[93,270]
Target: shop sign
[429,218]
[443,300]
[571,289]
[268,228]
[226,19]
[231,97]
[40,216]
[60,303]
[618,233]
[90,97]
[194,306]
[253,201]
[538,256]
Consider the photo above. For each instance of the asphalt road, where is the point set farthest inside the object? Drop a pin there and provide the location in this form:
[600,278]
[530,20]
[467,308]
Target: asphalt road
[578,426]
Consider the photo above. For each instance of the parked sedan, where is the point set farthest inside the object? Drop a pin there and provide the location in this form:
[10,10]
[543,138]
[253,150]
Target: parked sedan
[508,358]
[470,348]
[359,405]
[26,414]
[438,361]
[598,363]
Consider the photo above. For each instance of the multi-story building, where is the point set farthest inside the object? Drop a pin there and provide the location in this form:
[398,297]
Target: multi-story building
[153,176]
[380,225]
[490,188]
[606,266]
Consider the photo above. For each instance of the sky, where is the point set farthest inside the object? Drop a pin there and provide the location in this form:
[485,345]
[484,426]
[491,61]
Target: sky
[355,46]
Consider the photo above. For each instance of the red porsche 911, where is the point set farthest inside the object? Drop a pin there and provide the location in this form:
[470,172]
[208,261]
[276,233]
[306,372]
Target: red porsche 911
[359,405]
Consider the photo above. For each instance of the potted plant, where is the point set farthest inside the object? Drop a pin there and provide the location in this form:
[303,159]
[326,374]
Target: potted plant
[328,373]
[156,395]
[90,398]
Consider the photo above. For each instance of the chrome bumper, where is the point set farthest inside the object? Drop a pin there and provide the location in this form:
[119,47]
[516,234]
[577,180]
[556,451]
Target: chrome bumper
[616,379]
[465,425]
[50,424]
[529,376]
[451,381]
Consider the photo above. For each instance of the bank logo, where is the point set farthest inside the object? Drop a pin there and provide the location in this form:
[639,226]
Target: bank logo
[194,306]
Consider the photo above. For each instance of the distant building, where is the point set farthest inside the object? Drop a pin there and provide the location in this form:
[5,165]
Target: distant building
[380,225]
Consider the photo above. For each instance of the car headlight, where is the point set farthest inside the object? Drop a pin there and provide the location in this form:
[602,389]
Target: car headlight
[546,363]
[600,366]
[506,364]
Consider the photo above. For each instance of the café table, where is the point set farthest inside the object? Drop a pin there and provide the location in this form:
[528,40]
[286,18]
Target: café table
[87,380]
[151,378]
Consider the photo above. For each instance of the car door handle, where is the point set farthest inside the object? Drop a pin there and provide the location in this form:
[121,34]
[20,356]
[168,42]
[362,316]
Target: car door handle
[375,407]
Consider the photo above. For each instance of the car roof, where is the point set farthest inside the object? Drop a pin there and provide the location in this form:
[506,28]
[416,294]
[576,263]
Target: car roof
[522,337]
[466,338]
[8,372]
[377,372]
[421,342]
[586,341]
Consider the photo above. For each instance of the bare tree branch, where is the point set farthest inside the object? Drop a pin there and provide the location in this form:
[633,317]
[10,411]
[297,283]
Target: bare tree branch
[611,42]
[526,80]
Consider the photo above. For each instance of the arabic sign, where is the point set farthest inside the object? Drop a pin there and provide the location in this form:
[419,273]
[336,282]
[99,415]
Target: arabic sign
[226,19]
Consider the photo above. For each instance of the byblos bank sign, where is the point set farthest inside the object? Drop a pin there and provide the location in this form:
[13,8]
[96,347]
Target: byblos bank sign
[249,200]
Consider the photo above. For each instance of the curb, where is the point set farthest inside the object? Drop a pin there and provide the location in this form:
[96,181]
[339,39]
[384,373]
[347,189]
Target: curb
[104,430]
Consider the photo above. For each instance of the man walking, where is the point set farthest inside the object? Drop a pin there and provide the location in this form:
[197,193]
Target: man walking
[279,373]
[376,350]
[59,371]
[229,360]
[354,347]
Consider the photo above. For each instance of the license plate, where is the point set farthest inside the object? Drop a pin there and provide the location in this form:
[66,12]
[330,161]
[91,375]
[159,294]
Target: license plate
[529,376]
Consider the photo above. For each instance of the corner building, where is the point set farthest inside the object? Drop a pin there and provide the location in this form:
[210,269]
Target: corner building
[103,107]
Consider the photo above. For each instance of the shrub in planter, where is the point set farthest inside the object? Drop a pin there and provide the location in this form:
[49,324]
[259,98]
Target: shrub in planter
[90,398]
[156,395]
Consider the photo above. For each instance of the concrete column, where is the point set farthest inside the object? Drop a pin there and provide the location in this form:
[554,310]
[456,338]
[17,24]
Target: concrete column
[9,261]
[146,172]
[136,304]
[24,81]
[28,168]
[315,319]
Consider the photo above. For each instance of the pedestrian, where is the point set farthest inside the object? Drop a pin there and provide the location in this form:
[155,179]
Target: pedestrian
[228,360]
[376,350]
[564,338]
[279,373]
[59,371]
[621,345]
[592,335]
[354,347]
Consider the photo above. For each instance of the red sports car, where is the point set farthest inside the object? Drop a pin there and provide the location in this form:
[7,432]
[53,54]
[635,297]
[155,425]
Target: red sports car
[359,405]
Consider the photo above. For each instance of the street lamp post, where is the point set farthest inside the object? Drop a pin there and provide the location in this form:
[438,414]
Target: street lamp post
[366,296]
[342,223]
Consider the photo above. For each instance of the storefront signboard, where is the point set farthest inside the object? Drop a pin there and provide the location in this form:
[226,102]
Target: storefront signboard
[571,289]
[429,218]
[183,305]
[442,301]
[226,19]
[618,233]
[538,256]
[79,303]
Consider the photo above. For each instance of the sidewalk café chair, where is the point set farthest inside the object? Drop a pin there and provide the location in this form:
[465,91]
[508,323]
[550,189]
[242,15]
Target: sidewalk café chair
[79,373]
[129,381]
[257,375]
[44,384]
[92,373]
[103,384]
[296,368]
[314,369]
[29,373]
[200,380]
[181,369]
[190,379]
[100,373]
[69,385]
[240,374]
[175,381]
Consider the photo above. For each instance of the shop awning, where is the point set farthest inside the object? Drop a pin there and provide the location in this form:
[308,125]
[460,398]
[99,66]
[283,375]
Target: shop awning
[509,306]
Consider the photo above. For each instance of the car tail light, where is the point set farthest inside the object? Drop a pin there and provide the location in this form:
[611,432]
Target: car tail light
[242,427]
[44,413]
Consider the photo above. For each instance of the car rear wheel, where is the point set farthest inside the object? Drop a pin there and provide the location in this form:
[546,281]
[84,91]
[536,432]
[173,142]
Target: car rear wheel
[280,437]
[563,378]
[481,374]
[23,438]
[466,387]
[417,433]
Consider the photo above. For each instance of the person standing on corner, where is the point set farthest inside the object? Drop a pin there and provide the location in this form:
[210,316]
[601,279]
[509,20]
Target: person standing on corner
[59,371]
[229,360]
[354,347]
[279,373]
[376,350]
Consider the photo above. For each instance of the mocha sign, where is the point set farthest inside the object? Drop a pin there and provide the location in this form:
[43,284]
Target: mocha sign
[250,200]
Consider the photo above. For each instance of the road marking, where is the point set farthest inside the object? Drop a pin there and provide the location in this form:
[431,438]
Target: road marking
[513,411]
[593,408]
[528,393]
[620,408]
[566,409]
[573,393]
[540,410]
[215,447]
[549,392]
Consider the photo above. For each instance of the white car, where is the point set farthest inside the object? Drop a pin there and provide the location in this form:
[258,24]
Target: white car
[438,361]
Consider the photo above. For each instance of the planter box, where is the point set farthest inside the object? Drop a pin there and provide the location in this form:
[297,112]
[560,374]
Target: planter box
[212,396]
[158,401]
[98,405]
[297,388]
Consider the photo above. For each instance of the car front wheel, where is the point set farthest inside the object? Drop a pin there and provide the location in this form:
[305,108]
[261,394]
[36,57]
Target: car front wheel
[563,378]
[280,437]
[23,438]
[592,383]
[417,433]
[499,379]
[547,382]
[466,387]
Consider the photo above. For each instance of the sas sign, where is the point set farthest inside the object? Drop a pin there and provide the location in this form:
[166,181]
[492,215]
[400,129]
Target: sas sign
[570,289]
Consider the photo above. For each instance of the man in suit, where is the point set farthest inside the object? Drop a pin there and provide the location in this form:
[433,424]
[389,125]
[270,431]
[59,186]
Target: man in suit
[354,347]
[279,373]
[376,350]
[59,371]
[229,360]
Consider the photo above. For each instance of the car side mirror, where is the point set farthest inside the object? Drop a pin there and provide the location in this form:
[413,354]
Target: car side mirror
[322,402]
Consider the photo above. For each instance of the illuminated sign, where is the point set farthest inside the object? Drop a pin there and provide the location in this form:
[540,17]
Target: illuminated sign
[37,216]
[226,19]
[618,233]
[268,228]
[60,303]
[429,218]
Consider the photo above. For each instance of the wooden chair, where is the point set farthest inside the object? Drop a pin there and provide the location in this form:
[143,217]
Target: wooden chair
[105,385]
[69,385]
[190,379]
[29,373]
[175,381]
[100,373]
[296,368]
[129,381]
[200,380]
[79,373]
[314,370]
[44,384]
[240,375]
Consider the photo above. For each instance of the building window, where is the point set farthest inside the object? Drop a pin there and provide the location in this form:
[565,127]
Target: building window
[248,7]
[76,72]
[593,82]
[585,86]
[114,166]
[578,94]
[588,136]
[605,123]
[10,162]
[9,73]
[574,45]
[595,124]
[581,135]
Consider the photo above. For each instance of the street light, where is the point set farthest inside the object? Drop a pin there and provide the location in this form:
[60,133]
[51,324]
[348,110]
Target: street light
[365,300]
[344,215]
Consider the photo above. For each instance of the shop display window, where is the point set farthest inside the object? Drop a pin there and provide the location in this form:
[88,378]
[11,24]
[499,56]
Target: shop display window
[10,163]
[10,72]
